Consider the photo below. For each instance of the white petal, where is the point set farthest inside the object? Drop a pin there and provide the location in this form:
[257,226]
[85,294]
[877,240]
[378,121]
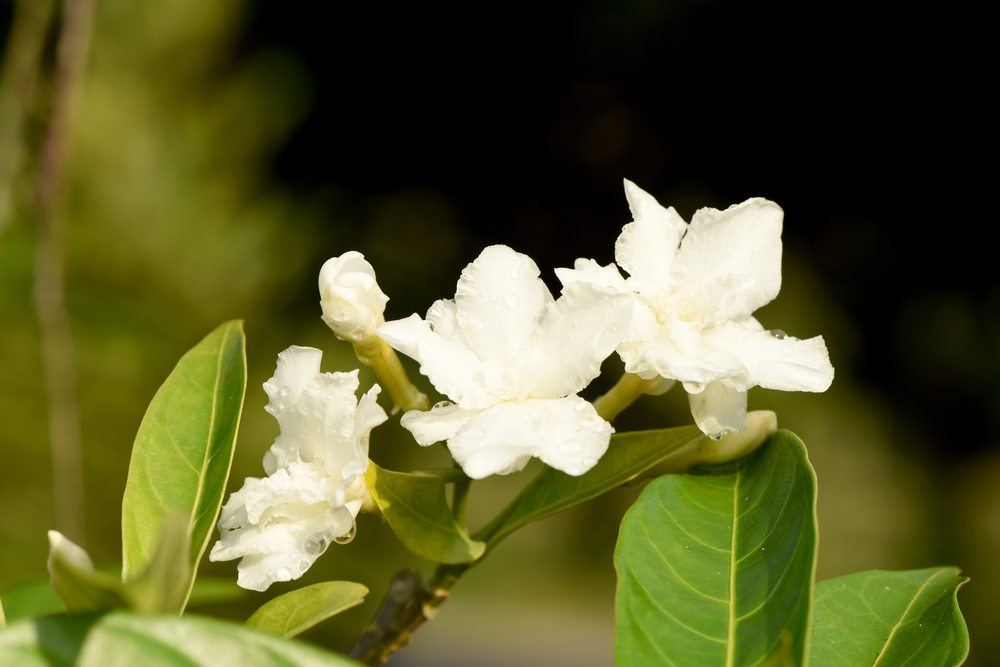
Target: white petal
[565,433]
[500,300]
[580,330]
[367,416]
[647,245]
[589,271]
[352,302]
[452,368]
[680,354]
[776,362]
[719,409]
[439,423]
[736,253]
[316,417]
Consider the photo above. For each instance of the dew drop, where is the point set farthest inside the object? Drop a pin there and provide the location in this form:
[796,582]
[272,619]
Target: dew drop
[315,545]
[580,407]
[440,405]
[778,333]
[717,436]
[514,275]
[347,537]
[510,301]
[590,462]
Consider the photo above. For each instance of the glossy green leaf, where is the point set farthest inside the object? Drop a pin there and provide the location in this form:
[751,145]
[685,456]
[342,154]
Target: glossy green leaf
[628,457]
[415,506]
[184,448]
[890,618]
[718,570]
[295,612]
[120,639]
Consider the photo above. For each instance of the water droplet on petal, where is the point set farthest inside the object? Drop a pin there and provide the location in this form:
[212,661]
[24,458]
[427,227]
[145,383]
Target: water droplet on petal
[589,462]
[580,407]
[315,545]
[778,333]
[717,436]
[510,301]
[514,275]
[347,537]
[442,404]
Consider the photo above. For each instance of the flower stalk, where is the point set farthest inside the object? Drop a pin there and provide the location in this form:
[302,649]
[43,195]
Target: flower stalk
[376,354]
[626,391]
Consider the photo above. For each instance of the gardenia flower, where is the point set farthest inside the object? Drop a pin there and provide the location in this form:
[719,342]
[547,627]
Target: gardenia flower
[512,359]
[314,489]
[352,302]
[694,288]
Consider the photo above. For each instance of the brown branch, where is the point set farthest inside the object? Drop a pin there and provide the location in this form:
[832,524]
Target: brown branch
[408,604]
[50,288]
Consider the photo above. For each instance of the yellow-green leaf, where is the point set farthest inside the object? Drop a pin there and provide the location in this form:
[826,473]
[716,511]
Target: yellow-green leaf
[183,450]
[415,506]
[295,612]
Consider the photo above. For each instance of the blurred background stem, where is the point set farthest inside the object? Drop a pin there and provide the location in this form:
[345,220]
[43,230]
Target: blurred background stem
[18,80]
[55,332]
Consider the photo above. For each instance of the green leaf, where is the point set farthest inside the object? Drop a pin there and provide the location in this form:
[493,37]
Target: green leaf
[30,599]
[416,509]
[120,639]
[209,590]
[184,448]
[164,585]
[629,455]
[76,581]
[3,618]
[890,618]
[295,612]
[718,570]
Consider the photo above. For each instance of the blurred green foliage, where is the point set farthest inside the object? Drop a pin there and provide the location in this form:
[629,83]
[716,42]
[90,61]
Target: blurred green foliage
[176,225]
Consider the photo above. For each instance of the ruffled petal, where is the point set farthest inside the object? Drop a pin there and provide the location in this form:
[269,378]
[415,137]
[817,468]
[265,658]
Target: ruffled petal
[590,272]
[774,360]
[647,245]
[439,423]
[580,330]
[450,365]
[565,433]
[279,525]
[719,409]
[734,256]
[500,300]
[677,353]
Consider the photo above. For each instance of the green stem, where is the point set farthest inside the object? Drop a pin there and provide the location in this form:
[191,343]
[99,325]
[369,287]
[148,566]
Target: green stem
[625,392]
[376,353]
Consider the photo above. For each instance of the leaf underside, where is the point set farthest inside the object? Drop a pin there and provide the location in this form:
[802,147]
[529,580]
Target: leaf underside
[416,508]
[718,570]
[184,448]
[628,456]
[295,612]
[890,618]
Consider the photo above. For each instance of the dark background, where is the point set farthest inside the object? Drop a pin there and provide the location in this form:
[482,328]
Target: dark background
[222,151]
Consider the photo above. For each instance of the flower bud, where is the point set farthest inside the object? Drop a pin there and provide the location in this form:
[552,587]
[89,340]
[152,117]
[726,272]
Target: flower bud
[351,299]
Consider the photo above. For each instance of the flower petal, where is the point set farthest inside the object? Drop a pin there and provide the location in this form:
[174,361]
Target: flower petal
[439,423]
[647,245]
[580,330]
[565,433]
[719,409]
[737,250]
[450,365]
[350,297]
[589,271]
[774,360]
[500,300]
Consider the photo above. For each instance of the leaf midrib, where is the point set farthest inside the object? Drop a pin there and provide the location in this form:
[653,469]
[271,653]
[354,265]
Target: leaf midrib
[902,618]
[731,632]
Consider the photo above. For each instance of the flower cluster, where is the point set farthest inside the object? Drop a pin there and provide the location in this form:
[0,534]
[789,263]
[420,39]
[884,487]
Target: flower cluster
[512,360]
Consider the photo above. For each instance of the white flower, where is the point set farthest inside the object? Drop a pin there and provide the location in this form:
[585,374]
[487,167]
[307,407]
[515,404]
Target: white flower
[352,302]
[694,289]
[512,359]
[314,487]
